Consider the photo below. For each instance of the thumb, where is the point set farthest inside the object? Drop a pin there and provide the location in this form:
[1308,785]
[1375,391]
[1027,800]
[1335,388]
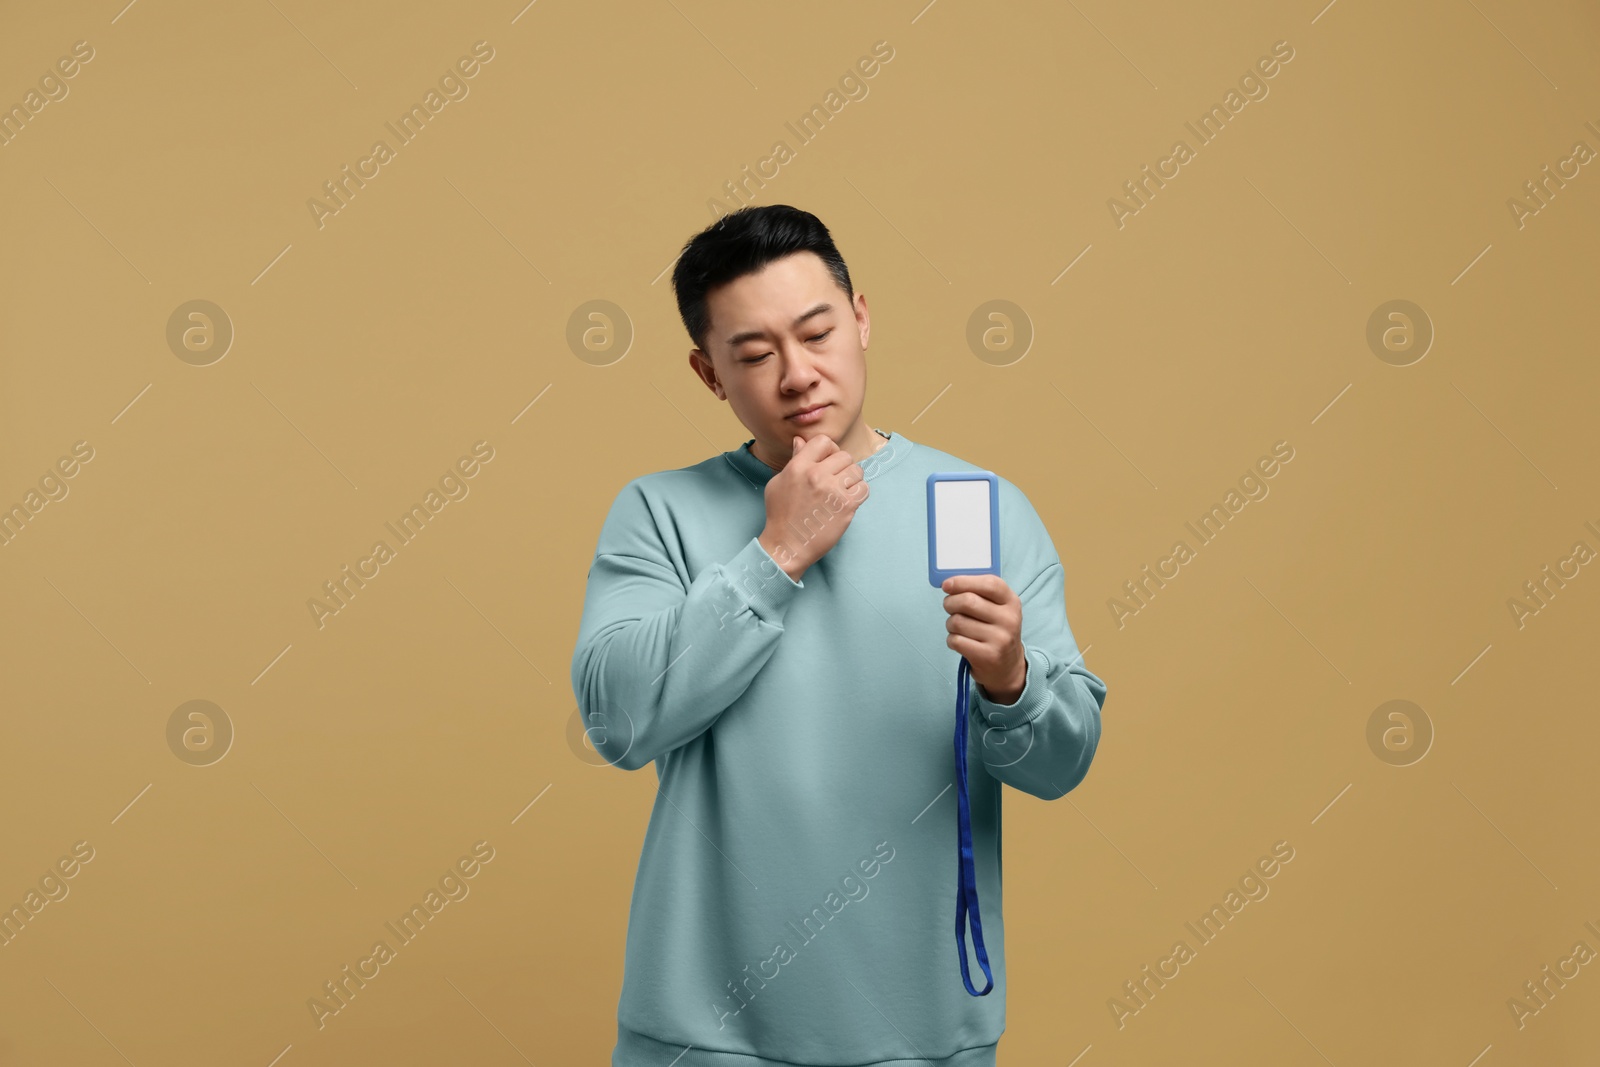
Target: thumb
[797,444]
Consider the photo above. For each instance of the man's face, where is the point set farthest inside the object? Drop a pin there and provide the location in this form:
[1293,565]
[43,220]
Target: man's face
[784,339]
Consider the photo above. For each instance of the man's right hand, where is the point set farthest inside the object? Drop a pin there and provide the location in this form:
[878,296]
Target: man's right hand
[810,502]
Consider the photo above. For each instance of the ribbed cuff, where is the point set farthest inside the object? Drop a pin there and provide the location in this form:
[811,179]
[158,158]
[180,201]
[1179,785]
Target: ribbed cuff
[760,582]
[1030,702]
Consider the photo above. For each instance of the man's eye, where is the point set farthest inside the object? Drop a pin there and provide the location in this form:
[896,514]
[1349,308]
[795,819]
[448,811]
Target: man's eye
[757,359]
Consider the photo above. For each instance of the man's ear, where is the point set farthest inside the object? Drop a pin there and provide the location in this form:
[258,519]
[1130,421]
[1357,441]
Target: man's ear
[706,371]
[863,319]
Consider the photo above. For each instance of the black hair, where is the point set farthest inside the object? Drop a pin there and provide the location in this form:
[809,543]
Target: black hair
[742,243]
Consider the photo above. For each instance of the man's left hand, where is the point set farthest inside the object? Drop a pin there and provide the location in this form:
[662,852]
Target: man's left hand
[985,626]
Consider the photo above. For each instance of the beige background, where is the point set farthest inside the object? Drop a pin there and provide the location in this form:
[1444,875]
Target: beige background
[1228,314]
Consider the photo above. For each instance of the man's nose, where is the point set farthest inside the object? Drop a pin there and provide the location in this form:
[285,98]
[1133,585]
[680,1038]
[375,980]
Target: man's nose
[799,371]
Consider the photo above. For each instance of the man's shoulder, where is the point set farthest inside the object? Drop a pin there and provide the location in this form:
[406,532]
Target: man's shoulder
[933,460]
[1028,549]
[710,476]
[658,506]
[936,459]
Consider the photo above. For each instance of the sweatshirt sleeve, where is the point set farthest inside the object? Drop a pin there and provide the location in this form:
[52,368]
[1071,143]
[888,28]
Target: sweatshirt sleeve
[657,660]
[1043,743]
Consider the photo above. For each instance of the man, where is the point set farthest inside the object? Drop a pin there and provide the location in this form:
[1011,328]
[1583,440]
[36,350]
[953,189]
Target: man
[760,626]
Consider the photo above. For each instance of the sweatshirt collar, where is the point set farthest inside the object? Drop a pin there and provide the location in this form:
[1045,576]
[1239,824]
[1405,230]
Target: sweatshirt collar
[872,466]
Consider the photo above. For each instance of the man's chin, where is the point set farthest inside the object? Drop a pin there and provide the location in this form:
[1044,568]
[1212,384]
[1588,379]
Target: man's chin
[824,425]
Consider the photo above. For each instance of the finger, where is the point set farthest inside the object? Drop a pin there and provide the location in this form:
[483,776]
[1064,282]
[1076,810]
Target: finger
[836,461]
[993,586]
[965,647]
[961,624]
[826,448]
[989,586]
[982,653]
[977,630]
[975,606]
[850,477]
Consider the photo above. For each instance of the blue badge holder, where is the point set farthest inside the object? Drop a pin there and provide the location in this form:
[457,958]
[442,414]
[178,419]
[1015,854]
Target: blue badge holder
[964,538]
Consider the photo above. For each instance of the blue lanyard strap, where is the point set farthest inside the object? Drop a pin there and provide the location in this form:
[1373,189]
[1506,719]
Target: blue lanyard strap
[966,876]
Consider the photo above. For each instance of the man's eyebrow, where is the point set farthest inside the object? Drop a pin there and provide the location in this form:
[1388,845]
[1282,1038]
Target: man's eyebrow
[756,335]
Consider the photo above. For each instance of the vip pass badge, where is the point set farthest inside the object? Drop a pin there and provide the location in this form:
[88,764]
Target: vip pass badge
[964,538]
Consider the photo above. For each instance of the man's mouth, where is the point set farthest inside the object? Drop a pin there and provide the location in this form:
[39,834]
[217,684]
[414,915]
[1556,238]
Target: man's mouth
[808,415]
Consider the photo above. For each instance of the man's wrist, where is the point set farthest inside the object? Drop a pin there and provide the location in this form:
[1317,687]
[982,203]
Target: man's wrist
[1009,696]
[786,560]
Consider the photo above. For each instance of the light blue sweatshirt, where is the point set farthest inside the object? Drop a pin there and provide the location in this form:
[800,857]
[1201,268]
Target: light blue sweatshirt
[795,899]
